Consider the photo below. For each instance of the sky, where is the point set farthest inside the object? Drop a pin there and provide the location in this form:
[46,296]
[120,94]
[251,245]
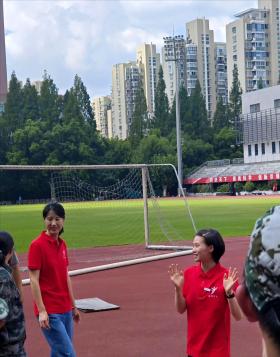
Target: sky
[87,38]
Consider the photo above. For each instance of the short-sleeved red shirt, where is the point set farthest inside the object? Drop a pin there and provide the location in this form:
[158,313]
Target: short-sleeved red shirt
[208,312]
[50,257]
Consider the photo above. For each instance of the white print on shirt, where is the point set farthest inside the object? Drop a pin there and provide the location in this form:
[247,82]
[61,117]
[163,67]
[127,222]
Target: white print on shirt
[211,291]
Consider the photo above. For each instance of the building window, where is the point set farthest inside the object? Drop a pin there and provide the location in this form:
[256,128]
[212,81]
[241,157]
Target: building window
[250,150]
[276,103]
[254,108]
[273,147]
[263,149]
[256,149]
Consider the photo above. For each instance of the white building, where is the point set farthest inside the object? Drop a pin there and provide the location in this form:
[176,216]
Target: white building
[221,71]
[260,122]
[198,33]
[101,105]
[125,83]
[148,61]
[248,48]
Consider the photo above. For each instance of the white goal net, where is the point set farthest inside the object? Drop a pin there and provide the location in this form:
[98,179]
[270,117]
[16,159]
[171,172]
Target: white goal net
[119,210]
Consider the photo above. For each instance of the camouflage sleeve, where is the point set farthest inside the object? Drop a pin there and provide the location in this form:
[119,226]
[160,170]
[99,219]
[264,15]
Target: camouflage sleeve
[5,289]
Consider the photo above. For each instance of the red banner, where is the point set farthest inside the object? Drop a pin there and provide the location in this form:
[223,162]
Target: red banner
[238,178]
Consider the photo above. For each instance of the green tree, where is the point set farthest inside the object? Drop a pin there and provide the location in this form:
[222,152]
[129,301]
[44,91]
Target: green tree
[200,123]
[13,115]
[83,100]
[221,116]
[30,102]
[26,148]
[235,100]
[157,149]
[185,115]
[225,144]
[195,152]
[139,123]
[161,114]
[49,103]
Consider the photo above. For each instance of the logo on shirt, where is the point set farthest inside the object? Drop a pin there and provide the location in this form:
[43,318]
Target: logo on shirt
[211,291]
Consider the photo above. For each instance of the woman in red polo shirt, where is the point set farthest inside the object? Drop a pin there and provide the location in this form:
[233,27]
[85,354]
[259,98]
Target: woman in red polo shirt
[206,292]
[51,285]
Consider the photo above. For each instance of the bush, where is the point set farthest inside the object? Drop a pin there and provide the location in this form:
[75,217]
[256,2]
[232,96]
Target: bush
[249,186]
[204,188]
[223,188]
[239,186]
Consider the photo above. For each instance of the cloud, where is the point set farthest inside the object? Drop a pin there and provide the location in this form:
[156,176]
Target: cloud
[88,37]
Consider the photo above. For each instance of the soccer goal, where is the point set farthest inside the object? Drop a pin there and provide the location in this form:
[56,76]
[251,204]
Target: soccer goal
[135,207]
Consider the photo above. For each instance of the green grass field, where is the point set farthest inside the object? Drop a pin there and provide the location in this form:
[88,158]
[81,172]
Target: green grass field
[121,222]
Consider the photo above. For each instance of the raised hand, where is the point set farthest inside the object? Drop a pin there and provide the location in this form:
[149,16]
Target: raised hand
[176,275]
[229,280]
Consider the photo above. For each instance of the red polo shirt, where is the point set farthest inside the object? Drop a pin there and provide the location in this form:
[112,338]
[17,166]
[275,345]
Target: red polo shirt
[208,312]
[50,257]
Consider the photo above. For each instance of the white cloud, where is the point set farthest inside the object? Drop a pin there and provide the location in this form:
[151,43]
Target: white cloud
[88,37]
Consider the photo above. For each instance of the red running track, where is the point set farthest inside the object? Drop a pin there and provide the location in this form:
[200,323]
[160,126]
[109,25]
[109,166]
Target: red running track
[147,324]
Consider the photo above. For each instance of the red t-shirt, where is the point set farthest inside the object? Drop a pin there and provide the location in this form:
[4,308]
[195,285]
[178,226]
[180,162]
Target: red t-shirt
[50,257]
[208,312]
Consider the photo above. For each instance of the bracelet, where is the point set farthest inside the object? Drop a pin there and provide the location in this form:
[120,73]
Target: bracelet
[230,296]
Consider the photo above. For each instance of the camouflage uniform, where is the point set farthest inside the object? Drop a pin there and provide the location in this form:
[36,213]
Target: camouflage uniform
[262,267]
[12,334]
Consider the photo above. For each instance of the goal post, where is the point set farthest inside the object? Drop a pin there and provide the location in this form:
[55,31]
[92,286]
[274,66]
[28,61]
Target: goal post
[108,200]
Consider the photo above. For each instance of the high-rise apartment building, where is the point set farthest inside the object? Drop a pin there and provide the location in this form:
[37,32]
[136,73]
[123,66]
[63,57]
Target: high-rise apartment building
[199,34]
[169,63]
[221,71]
[101,105]
[3,68]
[191,59]
[273,6]
[125,83]
[148,61]
[248,40]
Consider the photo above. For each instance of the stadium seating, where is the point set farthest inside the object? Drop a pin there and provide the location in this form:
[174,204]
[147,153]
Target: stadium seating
[208,170]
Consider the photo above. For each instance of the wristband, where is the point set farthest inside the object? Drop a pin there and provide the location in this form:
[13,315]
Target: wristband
[230,296]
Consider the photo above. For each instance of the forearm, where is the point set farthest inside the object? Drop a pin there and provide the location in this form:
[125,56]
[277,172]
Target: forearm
[235,309]
[36,293]
[180,303]
[69,283]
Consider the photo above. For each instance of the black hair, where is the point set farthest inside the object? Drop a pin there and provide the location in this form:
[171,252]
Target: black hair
[58,210]
[6,245]
[56,207]
[213,237]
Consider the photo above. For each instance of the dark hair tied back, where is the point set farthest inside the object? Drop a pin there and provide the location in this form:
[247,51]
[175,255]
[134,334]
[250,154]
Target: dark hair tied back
[56,207]
[213,237]
[6,245]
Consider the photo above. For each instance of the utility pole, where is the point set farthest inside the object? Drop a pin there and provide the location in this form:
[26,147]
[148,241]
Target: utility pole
[174,48]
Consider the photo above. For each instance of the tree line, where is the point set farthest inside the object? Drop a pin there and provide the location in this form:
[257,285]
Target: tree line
[47,128]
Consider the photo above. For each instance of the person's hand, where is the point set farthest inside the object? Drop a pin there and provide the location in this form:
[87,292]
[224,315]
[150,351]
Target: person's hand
[44,319]
[229,280]
[76,315]
[176,275]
